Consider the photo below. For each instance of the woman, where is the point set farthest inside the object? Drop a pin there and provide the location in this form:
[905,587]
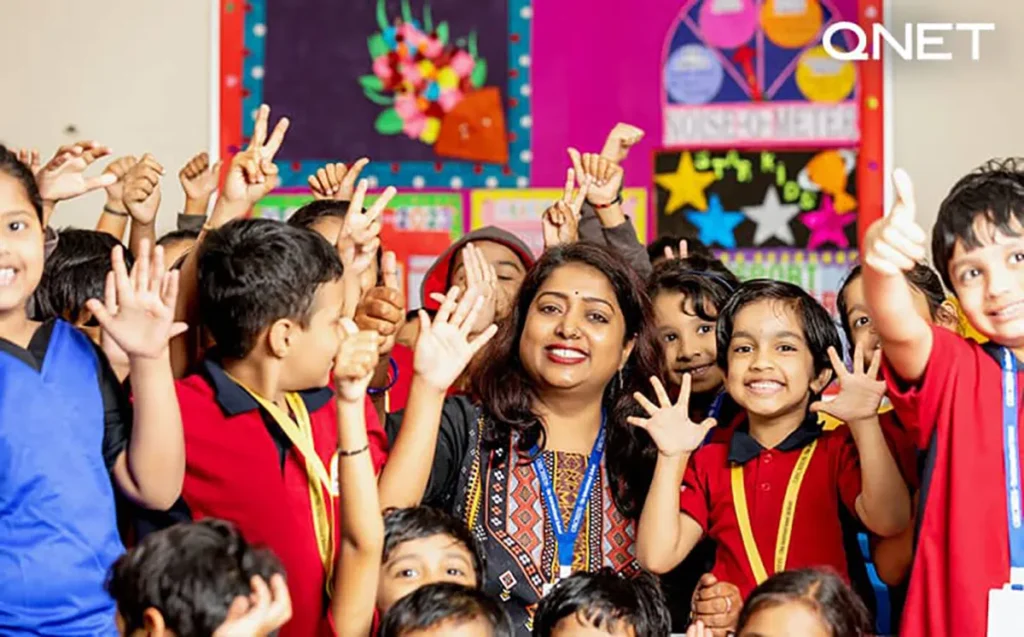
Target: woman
[553,402]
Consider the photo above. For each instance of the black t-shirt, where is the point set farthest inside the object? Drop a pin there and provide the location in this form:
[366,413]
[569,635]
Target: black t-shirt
[117,410]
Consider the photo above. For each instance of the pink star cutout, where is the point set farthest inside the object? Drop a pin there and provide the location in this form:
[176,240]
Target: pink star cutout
[827,226]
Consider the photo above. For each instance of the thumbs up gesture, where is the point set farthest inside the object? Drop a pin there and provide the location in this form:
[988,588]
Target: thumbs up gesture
[895,243]
[382,308]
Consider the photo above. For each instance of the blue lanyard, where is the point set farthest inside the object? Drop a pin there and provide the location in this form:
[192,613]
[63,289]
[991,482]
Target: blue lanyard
[1011,464]
[716,406]
[566,538]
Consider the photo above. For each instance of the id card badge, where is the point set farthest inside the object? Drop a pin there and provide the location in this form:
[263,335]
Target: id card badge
[1005,612]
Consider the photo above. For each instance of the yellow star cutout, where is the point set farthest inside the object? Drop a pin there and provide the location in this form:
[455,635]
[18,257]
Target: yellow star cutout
[685,185]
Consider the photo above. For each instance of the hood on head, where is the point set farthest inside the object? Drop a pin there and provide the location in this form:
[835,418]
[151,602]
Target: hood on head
[436,279]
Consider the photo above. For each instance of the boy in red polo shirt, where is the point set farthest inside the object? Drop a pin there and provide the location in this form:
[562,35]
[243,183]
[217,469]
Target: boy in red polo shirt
[260,446]
[953,390]
[769,494]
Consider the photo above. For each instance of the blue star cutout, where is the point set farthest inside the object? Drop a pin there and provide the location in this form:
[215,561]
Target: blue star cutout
[716,225]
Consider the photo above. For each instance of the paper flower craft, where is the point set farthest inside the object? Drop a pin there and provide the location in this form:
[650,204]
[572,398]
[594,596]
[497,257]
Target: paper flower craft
[434,88]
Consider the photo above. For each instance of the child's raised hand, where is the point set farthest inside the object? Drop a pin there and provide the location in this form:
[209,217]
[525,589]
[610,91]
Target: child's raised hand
[115,191]
[896,243]
[199,180]
[561,221]
[336,181]
[142,189]
[263,612]
[619,141]
[444,348]
[355,362]
[382,308]
[716,605]
[359,238]
[482,281]
[30,157]
[63,177]
[684,251]
[669,425]
[138,309]
[605,176]
[253,172]
[860,391]
[698,629]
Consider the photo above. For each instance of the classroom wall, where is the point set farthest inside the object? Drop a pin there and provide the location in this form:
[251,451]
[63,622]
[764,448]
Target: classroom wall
[136,75]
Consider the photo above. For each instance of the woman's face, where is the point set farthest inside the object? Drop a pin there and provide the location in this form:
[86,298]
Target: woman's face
[21,246]
[574,335]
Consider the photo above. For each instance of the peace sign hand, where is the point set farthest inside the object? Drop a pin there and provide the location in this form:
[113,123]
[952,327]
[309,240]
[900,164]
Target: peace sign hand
[253,173]
[684,251]
[444,348]
[63,177]
[359,238]
[669,425]
[561,221]
[896,243]
[30,157]
[860,391]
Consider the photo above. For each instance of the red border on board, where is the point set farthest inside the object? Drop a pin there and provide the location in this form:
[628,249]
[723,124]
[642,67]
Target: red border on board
[871,183]
[232,24]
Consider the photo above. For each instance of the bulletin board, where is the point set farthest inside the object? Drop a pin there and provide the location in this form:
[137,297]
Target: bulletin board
[417,227]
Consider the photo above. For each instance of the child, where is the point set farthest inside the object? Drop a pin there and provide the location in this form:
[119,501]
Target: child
[60,534]
[446,609]
[178,242]
[687,295]
[808,602]
[184,580]
[423,545]
[777,346]
[952,390]
[603,603]
[261,426]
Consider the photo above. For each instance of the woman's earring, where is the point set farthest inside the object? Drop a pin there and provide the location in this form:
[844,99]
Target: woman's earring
[622,386]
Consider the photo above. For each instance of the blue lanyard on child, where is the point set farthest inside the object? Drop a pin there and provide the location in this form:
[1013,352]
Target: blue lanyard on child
[716,406]
[1011,464]
[566,538]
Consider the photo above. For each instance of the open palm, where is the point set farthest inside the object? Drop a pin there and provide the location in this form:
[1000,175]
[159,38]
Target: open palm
[860,391]
[138,310]
[669,425]
[63,177]
[444,348]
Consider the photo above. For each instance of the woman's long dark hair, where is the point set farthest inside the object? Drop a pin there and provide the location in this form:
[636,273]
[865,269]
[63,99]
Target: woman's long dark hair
[507,393]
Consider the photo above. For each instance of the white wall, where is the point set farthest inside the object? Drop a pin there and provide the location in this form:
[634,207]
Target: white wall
[135,74]
[951,116]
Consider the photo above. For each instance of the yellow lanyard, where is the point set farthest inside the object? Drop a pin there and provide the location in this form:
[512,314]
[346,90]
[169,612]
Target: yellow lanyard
[322,490]
[739,501]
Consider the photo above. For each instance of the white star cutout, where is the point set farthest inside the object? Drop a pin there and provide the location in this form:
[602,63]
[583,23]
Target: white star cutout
[772,218]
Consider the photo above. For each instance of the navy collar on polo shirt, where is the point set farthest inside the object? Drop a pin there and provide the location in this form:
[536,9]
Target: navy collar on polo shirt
[743,447]
[235,400]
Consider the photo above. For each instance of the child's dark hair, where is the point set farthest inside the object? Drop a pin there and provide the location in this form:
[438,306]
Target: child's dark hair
[434,604]
[184,234]
[819,330]
[309,214]
[75,272]
[606,601]
[253,272]
[921,277]
[190,573]
[994,191]
[413,523]
[824,594]
[694,247]
[12,166]
[702,282]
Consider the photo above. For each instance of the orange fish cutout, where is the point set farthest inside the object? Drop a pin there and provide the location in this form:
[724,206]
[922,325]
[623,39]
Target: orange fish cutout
[828,170]
[475,129]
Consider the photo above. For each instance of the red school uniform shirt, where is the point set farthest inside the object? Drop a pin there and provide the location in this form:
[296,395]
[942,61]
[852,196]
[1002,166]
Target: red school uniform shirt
[832,479]
[963,543]
[241,467]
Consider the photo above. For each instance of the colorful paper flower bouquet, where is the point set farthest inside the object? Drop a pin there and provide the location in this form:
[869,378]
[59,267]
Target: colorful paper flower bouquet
[434,89]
